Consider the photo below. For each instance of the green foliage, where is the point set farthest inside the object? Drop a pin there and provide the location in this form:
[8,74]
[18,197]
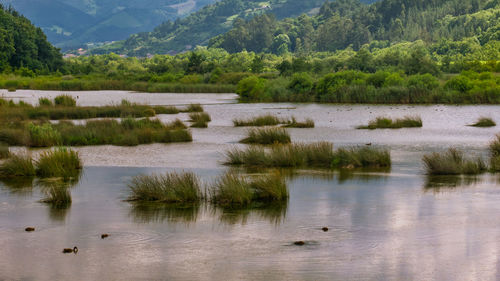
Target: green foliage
[57,193]
[267,136]
[308,123]
[194,108]
[166,188]
[259,121]
[44,102]
[252,89]
[17,166]
[44,135]
[61,162]
[387,123]
[200,120]
[4,150]
[452,162]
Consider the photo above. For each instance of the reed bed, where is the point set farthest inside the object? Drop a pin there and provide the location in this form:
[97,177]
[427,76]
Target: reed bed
[232,189]
[484,122]
[194,107]
[17,166]
[166,188]
[453,162]
[315,155]
[267,136]
[128,132]
[387,123]
[60,162]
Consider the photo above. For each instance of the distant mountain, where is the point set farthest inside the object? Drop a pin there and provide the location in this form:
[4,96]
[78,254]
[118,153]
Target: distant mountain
[198,28]
[73,23]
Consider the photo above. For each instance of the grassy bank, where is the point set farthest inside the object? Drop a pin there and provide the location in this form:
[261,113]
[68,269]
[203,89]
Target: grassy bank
[316,155]
[387,123]
[128,132]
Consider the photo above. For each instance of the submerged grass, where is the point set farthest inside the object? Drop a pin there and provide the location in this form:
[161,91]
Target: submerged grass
[387,123]
[232,189]
[17,166]
[128,132]
[166,188]
[452,162]
[315,155]
[61,162]
[484,122]
[267,136]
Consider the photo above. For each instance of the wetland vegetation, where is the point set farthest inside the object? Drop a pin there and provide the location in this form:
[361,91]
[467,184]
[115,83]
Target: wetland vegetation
[484,122]
[387,123]
[270,135]
[453,162]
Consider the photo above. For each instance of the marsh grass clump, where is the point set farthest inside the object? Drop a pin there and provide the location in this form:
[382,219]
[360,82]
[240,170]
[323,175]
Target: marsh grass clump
[293,123]
[484,122]
[17,166]
[64,100]
[194,107]
[361,157]
[232,189]
[200,120]
[495,154]
[45,102]
[387,123]
[452,162]
[57,194]
[314,155]
[267,136]
[60,162]
[166,188]
[259,121]
[4,150]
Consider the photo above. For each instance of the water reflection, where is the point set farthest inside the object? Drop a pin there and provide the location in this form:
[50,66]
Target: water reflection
[18,186]
[440,183]
[274,212]
[158,212]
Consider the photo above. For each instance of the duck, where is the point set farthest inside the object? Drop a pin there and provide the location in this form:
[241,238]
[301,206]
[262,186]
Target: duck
[29,229]
[325,229]
[105,235]
[299,243]
[69,250]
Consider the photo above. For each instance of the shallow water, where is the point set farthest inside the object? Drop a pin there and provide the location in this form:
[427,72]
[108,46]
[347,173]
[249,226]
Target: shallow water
[385,226]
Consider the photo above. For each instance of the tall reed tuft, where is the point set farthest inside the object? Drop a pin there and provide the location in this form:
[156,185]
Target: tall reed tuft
[60,162]
[267,136]
[452,162]
[200,120]
[17,166]
[259,121]
[194,107]
[57,194]
[64,100]
[293,123]
[495,154]
[167,188]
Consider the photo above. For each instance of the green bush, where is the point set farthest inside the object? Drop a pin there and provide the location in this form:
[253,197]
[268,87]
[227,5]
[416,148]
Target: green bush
[64,100]
[252,89]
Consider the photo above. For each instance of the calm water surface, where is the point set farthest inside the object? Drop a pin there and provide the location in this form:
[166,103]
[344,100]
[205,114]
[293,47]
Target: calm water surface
[400,225]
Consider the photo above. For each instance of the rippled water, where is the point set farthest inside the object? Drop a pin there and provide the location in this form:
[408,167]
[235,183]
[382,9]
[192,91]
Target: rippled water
[400,225]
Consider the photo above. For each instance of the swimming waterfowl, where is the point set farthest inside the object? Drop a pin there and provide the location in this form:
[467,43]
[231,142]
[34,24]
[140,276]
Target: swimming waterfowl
[29,229]
[69,250]
[105,235]
[299,243]
[325,229]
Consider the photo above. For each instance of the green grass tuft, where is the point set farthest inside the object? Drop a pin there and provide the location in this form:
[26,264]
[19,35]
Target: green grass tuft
[231,189]
[259,121]
[267,136]
[200,120]
[194,107]
[17,166]
[484,122]
[64,100]
[45,102]
[58,195]
[315,155]
[60,162]
[452,162]
[309,123]
[495,154]
[166,188]
[387,123]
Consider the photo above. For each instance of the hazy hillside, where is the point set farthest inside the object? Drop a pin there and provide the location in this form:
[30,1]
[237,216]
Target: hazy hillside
[200,27]
[71,23]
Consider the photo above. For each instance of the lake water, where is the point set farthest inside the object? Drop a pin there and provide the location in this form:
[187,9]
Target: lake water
[400,225]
